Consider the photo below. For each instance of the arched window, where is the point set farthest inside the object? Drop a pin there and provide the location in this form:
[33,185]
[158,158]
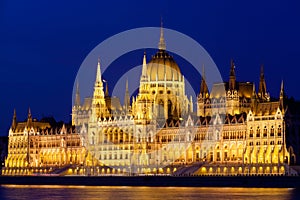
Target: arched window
[265,132]
[258,132]
[251,132]
[272,131]
[279,131]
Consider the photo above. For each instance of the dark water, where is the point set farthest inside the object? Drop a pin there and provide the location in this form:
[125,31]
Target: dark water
[142,193]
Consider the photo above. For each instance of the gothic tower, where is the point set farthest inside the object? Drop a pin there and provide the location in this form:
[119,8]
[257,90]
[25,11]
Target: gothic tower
[98,102]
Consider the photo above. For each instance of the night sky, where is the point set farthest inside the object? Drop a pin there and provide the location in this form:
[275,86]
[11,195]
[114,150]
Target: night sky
[43,43]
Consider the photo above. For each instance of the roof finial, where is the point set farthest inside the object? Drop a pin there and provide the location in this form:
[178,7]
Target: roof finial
[161,44]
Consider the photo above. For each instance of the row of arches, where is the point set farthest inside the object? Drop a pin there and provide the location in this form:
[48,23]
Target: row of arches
[265,132]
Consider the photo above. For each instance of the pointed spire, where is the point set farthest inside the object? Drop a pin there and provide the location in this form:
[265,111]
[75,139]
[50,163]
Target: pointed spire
[29,114]
[161,44]
[232,67]
[262,83]
[29,118]
[282,89]
[281,96]
[232,78]
[144,70]
[144,77]
[127,97]
[253,91]
[77,95]
[106,89]
[98,81]
[203,85]
[14,121]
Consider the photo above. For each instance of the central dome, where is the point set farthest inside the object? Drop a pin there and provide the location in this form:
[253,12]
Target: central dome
[163,67]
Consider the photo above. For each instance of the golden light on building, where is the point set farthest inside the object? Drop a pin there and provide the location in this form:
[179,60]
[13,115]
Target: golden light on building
[237,130]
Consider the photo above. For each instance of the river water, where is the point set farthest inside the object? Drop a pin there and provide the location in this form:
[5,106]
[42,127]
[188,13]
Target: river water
[13,192]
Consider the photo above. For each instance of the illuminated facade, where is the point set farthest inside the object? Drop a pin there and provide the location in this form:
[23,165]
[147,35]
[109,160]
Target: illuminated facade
[36,147]
[235,129]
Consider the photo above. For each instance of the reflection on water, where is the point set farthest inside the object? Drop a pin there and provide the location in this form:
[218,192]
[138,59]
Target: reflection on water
[9,192]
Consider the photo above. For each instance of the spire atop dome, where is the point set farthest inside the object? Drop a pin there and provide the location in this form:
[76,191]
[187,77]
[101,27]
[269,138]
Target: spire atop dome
[162,43]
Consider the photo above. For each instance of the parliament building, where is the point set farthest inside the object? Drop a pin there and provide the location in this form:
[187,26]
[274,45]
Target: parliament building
[235,129]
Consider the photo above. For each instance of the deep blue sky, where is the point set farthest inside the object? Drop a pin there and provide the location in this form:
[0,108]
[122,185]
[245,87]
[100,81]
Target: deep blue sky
[43,43]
